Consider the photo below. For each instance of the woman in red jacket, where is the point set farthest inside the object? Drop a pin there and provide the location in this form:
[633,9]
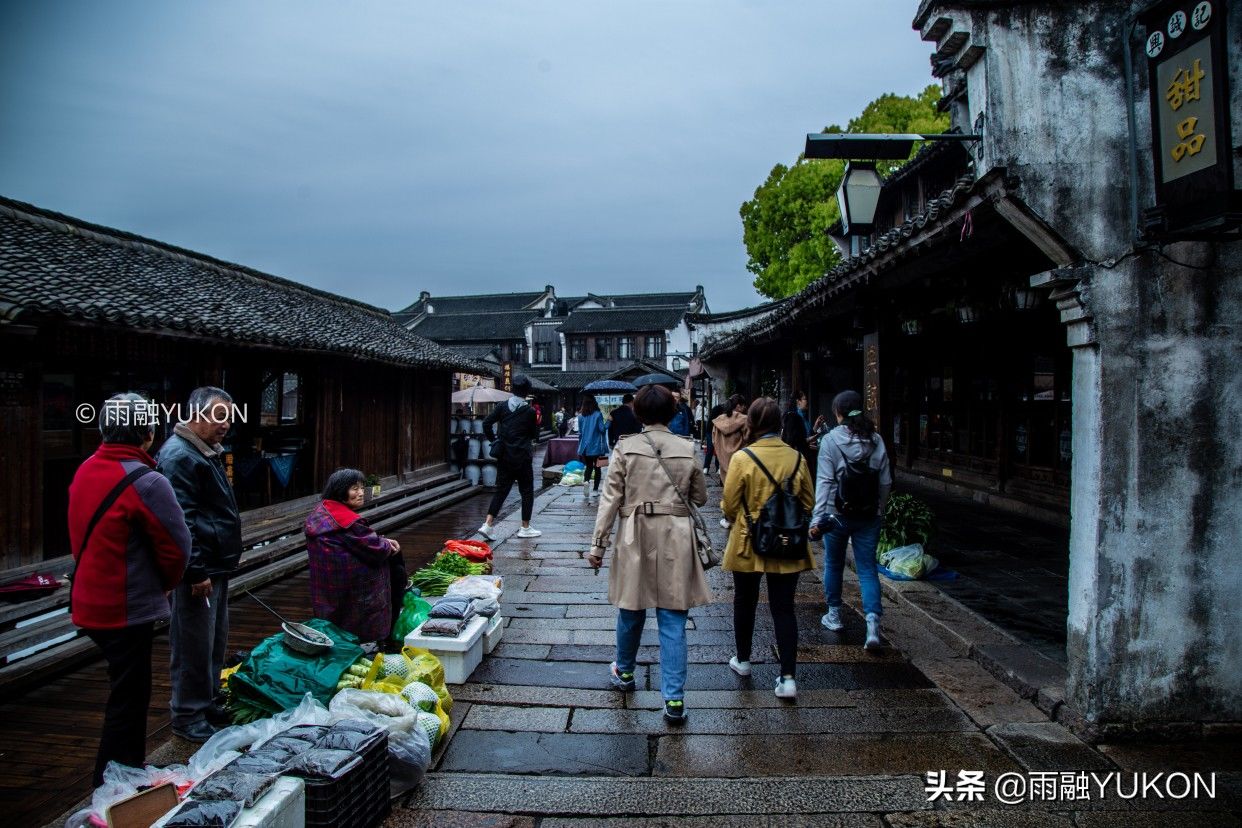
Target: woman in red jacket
[350,584]
[130,544]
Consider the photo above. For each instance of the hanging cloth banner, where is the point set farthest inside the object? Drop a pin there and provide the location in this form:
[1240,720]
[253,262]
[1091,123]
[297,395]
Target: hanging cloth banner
[282,466]
[247,466]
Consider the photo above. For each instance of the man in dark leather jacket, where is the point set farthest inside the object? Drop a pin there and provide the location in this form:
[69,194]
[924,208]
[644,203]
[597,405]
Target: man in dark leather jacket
[199,631]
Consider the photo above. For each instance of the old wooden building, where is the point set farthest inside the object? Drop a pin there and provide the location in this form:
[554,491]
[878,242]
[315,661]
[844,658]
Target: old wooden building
[320,381]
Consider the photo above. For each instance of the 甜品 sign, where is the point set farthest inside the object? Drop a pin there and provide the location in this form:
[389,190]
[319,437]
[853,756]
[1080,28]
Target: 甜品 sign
[1188,74]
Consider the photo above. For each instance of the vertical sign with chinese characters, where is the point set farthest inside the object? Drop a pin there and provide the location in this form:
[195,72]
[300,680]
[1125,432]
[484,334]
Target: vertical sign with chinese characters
[506,375]
[1188,74]
[871,376]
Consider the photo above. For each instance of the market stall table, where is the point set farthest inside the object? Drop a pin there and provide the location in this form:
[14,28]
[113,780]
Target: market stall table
[560,451]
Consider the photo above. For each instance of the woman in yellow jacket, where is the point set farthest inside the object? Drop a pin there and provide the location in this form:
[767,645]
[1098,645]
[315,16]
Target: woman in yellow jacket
[747,489]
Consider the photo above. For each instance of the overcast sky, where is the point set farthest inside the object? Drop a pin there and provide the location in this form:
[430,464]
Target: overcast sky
[377,149]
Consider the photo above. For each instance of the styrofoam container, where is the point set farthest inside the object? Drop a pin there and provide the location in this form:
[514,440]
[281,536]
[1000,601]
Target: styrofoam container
[283,806]
[461,655]
[495,631]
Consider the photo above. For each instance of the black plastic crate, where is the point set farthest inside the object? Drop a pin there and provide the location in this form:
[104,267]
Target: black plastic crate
[358,797]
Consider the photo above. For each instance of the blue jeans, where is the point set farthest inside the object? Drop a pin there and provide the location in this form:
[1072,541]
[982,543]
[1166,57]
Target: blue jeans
[866,535]
[672,647]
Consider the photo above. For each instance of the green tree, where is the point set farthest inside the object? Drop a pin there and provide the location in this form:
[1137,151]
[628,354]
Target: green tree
[785,226]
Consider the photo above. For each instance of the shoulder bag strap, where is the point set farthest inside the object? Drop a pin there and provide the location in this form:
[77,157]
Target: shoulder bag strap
[671,479]
[695,518]
[104,506]
[762,467]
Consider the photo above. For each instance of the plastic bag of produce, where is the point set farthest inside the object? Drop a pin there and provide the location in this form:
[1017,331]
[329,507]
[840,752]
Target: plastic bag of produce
[574,466]
[348,739]
[196,813]
[482,587]
[414,612]
[472,550]
[323,764]
[571,479]
[420,696]
[387,710]
[233,785]
[409,756]
[429,671]
[263,762]
[908,562]
[239,737]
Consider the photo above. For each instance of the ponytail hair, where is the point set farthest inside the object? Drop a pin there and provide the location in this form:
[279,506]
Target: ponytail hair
[849,406]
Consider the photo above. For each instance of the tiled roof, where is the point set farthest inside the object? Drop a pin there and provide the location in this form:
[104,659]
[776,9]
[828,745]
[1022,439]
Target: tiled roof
[475,327]
[623,320]
[568,380]
[841,277]
[487,302]
[61,266]
[653,299]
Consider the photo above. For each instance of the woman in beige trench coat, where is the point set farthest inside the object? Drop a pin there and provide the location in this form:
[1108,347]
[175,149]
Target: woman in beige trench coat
[655,563]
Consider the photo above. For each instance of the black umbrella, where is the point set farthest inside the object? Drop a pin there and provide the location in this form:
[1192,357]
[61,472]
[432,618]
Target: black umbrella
[657,379]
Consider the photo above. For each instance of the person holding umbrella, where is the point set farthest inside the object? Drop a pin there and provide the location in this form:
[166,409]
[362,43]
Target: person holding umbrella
[592,445]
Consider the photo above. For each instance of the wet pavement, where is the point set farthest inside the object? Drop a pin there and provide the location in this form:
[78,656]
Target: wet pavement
[540,739]
[1012,570]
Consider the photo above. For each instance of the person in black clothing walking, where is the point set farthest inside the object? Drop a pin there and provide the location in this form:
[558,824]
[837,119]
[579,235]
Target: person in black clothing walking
[511,427]
[796,427]
[623,421]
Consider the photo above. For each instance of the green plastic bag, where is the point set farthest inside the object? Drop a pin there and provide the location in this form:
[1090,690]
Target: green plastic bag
[275,678]
[414,612]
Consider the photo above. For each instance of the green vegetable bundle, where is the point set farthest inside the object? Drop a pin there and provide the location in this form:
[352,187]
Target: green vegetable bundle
[457,564]
[431,581]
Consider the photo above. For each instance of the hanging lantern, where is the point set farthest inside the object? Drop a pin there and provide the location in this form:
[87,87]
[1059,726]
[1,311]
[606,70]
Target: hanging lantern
[1025,299]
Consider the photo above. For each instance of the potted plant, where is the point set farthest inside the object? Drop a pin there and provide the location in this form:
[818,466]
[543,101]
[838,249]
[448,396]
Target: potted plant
[906,520]
[372,482]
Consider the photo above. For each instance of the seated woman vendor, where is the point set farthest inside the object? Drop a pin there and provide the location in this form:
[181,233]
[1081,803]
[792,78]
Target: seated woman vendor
[350,581]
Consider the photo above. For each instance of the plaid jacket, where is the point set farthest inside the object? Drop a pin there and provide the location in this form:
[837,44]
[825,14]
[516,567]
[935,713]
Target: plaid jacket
[349,580]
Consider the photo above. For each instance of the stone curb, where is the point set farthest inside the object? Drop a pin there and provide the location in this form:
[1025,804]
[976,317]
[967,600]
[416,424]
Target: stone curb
[1020,667]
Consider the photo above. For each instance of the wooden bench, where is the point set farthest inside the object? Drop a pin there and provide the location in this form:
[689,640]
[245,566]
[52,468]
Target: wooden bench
[274,547]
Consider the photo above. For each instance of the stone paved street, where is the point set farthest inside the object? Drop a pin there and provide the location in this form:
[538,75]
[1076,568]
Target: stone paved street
[539,738]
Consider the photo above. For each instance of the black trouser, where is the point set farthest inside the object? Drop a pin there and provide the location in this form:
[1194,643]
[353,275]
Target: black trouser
[506,476]
[591,469]
[781,589]
[399,580]
[124,738]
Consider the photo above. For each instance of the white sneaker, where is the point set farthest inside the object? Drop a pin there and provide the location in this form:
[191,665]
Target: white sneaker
[528,532]
[724,524]
[487,531]
[873,632]
[786,688]
[832,619]
[742,668]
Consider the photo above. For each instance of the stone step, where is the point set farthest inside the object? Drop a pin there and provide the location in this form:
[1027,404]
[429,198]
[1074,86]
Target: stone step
[647,796]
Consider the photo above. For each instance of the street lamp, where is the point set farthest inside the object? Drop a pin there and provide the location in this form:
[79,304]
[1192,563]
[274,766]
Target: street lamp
[859,196]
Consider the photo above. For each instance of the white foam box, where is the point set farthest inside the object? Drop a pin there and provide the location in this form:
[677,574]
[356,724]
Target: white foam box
[282,806]
[460,655]
[495,631]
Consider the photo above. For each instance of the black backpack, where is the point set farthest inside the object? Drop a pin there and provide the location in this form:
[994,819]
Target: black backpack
[858,489]
[780,531]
